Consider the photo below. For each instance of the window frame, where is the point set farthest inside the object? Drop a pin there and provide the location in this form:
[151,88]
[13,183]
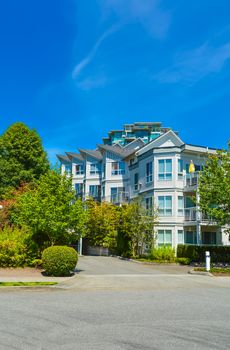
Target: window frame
[165,242]
[120,170]
[80,171]
[165,175]
[164,211]
[149,172]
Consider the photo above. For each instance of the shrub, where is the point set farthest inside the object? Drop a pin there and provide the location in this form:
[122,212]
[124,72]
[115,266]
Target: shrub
[59,260]
[197,253]
[17,248]
[183,261]
[164,253]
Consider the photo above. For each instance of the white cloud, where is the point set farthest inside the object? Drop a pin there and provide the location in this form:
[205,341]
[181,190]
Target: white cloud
[87,60]
[92,83]
[149,13]
[193,65]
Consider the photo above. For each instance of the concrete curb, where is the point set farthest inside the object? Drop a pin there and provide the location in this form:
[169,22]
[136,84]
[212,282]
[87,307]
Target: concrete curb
[202,273]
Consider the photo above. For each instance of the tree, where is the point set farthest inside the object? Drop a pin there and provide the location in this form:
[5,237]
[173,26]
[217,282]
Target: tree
[214,188]
[137,228]
[103,224]
[22,158]
[49,208]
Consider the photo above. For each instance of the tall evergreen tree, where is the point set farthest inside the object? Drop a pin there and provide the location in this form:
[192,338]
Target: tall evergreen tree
[22,157]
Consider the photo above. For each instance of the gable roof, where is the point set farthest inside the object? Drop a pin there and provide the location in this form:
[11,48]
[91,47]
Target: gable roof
[169,139]
[75,155]
[93,153]
[120,151]
[63,158]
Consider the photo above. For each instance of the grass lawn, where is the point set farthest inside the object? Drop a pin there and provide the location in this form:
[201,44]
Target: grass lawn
[215,270]
[26,284]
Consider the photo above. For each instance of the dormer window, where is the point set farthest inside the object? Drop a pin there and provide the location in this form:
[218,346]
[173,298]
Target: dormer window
[118,168]
[94,168]
[79,169]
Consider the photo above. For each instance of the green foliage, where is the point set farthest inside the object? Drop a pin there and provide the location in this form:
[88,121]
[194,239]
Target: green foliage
[51,211]
[59,260]
[197,253]
[164,253]
[22,158]
[183,261]
[214,188]
[16,247]
[102,224]
[136,228]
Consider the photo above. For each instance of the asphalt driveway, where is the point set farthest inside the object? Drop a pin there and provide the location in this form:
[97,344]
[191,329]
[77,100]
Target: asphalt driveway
[100,265]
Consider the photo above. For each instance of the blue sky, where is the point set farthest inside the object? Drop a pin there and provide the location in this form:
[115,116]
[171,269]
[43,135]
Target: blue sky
[74,69]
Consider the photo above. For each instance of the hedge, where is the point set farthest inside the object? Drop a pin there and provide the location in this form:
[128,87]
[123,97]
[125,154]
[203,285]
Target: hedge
[59,260]
[197,253]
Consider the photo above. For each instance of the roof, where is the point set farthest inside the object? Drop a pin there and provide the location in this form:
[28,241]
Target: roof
[93,153]
[74,155]
[63,158]
[120,151]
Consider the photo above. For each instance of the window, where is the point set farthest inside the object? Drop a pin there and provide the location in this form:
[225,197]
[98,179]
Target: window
[180,207]
[117,193]
[180,237]
[164,237]
[136,179]
[165,205]
[79,189]
[118,168]
[79,169]
[93,191]
[94,168]
[165,169]
[104,169]
[180,167]
[149,172]
[103,191]
[190,237]
[68,169]
[149,205]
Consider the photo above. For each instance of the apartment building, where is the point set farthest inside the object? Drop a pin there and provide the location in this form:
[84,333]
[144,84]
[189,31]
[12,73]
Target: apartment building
[152,164]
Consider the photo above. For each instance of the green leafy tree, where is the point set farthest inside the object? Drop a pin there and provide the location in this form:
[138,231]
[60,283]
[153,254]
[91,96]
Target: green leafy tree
[49,208]
[103,224]
[214,188]
[22,157]
[137,228]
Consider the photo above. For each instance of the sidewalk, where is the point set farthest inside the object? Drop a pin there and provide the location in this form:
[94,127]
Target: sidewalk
[28,275]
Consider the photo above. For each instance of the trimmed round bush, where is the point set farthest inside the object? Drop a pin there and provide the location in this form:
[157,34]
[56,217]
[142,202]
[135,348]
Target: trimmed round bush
[59,260]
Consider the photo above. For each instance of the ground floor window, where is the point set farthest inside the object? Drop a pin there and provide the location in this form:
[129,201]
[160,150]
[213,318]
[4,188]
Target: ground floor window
[164,237]
[208,237]
[180,237]
[190,237]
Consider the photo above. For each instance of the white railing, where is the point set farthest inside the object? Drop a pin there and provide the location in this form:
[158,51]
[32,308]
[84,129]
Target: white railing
[192,214]
[118,198]
[191,180]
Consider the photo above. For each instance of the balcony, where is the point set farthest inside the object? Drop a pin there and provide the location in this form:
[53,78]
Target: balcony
[191,181]
[118,198]
[192,214]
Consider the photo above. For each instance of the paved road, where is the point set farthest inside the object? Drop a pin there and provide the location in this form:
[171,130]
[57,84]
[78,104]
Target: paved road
[156,311]
[99,265]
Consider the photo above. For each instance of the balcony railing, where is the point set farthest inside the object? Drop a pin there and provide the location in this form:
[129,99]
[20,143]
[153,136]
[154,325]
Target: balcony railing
[192,214]
[118,198]
[191,180]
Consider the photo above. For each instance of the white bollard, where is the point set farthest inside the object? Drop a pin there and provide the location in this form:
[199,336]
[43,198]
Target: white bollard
[207,260]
